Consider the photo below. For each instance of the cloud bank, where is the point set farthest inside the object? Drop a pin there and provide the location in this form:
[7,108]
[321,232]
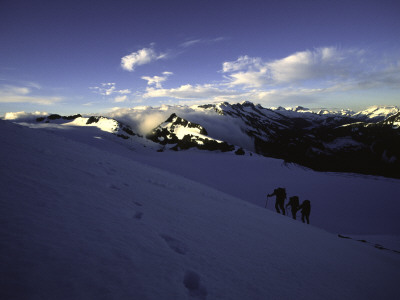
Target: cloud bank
[144,119]
[305,76]
[22,116]
[189,91]
[320,65]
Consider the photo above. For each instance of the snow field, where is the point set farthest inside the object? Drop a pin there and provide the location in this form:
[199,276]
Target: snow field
[341,203]
[79,223]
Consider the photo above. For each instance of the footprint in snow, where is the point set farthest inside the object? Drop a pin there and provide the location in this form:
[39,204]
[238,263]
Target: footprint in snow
[191,281]
[110,171]
[114,187]
[138,215]
[174,244]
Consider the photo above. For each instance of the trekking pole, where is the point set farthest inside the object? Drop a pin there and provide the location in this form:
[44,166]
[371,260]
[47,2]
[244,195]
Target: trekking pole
[266,202]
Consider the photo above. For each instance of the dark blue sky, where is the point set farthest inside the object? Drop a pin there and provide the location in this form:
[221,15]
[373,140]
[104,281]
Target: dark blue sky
[82,56]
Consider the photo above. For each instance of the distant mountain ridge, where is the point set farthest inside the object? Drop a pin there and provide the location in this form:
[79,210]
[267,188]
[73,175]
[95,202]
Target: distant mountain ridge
[104,123]
[371,114]
[365,142]
[376,113]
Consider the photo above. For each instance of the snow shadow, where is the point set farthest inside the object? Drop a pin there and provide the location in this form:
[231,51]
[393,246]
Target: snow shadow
[191,281]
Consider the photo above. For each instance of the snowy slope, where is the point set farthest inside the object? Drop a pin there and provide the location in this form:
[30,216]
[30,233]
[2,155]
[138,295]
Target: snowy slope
[342,203]
[376,113]
[393,121]
[314,140]
[82,223]
[102,123]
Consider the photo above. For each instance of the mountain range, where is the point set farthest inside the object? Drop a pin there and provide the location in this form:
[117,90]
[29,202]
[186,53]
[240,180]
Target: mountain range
[365,142]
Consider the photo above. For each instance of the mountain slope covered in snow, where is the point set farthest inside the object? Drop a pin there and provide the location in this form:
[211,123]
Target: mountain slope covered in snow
[373,203]
[83,220]
[322,141]
[184,135]
[366,142]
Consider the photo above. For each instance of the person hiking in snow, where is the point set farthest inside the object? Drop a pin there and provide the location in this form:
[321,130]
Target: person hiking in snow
[305,210]
[280,194]
[294,204]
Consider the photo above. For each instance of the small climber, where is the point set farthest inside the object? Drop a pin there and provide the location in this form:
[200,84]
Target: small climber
[294,204]
[280,194]
[305,211]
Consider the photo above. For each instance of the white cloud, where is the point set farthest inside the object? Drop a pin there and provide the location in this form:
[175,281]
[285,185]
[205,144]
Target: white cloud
[108,89]
[251,79]
[287,96]
[322,67]
[193,42]
[247,72]
[300,78]
[189,91]
[140,57]
[120,98]
[157,80]
[322,63]
[89,103]
[241,63]
[141,120]
[124,92]
[104,89]
[150,121]
[24,116]
[20,94]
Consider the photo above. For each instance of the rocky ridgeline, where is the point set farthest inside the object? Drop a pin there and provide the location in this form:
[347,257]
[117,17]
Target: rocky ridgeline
[115,127]
[366,142]
[175,133]
[182,134]
[53,117]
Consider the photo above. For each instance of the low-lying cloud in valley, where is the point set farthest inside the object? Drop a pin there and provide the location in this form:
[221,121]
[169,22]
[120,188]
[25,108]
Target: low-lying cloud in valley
[144,119]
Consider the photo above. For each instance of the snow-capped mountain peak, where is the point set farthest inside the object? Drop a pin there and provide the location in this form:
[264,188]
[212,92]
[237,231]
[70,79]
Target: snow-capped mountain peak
[105,124]
[182,127]
[182,134]
[328,140]
[377,113]
[393,121]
